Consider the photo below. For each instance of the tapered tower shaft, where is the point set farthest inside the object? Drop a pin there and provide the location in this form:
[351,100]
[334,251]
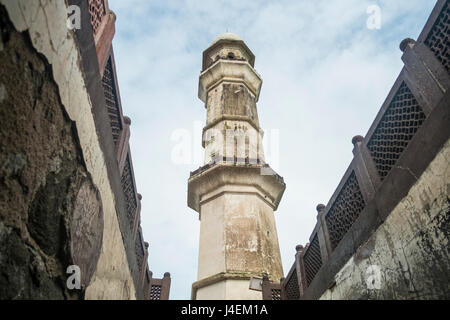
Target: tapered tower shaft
[235,193]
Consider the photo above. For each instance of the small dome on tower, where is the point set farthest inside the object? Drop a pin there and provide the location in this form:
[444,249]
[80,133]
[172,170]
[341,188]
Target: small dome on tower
[227,46]
[226,36]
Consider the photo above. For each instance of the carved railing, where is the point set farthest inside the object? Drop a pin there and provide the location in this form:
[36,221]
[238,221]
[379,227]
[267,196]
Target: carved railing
[113,128]
[140,249]
[381,172]
[97,9]
[129,190]
[120,135]
[312,260]
[160,288]
[397,127]
[235,161]
[343,212]
[112,100]
[271,291]
[290,285]
[439,37]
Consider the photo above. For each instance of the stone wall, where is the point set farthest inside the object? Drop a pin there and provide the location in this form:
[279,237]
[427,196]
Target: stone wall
[50,145]
[384,232]
[43,179]
[410,249]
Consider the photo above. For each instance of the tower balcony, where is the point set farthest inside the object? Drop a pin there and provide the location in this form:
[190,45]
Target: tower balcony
[229,71]
[240,172]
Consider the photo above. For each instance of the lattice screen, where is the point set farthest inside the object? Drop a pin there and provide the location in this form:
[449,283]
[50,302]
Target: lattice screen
[129,192]
[97,10]
[345,210]
[112,102]
[291,288]
[312,260]
[438,39]
[276,294]
[155,292]
[399,124]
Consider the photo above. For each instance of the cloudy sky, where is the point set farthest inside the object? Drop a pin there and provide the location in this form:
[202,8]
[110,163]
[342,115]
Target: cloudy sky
[325,73]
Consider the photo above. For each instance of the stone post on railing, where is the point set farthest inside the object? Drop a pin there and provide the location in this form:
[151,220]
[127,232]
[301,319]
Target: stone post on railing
[137,215]
[103,26]
[283,289]
[428,79]
[165,290]
[365,169]
[145,263]
[147,280]
[266,288]
[323,235]
[123,143]
[104,37]
[300,268]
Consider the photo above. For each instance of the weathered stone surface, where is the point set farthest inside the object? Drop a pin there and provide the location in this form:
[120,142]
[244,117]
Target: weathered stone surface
[87,231]
[45,23]
[41,172]
[236,200]
[24,273]
[2,92]
[410,249]
[225,70]
[237,100]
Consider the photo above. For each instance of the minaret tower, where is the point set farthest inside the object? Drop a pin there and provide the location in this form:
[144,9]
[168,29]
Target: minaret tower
[235,193]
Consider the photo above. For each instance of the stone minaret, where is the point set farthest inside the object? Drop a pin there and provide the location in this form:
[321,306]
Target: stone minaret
[235,193]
